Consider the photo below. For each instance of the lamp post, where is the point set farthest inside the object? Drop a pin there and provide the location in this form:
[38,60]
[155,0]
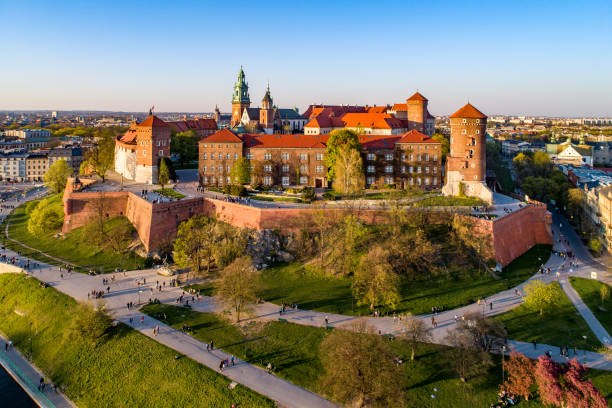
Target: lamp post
[584,350]
[503,360]
[139,292]
[31,336]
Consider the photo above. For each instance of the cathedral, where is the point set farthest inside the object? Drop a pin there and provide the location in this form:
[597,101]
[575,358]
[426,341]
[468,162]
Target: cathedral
[267,118]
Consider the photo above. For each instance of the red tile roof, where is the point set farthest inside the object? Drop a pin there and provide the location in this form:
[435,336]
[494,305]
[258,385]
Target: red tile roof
[129,137]
[195,124]
[469,111]
[153,121]
[323,121]
[378,141]
[372,120]
[414,136]
[400,107]
[417,97]
[337,110]
[378,109]
[285,141]
[224,135]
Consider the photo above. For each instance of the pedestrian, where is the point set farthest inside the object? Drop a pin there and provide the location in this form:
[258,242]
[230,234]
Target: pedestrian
[269,368]
[221,364]
[326,321]
[208,347]
[212,345]
[490,305]
[233,363]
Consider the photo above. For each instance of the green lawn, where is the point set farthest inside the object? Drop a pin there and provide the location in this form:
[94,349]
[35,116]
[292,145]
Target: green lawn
[126,369]
[448,201]
[588,289]
[73,248]
[563,325]
[296,283]
[169,192]
[275,198]
[294,351]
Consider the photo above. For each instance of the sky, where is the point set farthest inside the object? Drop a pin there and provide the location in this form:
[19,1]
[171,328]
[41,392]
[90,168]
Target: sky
[514,57]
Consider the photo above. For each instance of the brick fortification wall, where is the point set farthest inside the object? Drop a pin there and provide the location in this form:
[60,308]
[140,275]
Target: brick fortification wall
[512,235]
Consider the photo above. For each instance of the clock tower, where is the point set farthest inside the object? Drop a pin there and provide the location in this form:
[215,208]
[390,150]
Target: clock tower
[240,98]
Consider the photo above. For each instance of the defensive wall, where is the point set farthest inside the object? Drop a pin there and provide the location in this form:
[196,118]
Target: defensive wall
[156,224]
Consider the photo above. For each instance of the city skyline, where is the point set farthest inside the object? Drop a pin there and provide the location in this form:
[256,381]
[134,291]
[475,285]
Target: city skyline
[516,60]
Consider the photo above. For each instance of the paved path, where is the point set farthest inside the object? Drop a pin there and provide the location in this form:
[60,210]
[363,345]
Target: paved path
[28,377]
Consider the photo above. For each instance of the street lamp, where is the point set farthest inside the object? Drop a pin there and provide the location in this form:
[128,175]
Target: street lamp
[584,350]
[503,358]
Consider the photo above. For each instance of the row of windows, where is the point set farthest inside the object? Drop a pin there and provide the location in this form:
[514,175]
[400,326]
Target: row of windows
[419,181]
[220,146]
[228,156]
[411,169]
[411,157]
[160,153]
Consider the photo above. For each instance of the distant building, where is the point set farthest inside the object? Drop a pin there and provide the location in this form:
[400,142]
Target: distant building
[511,147]
[13,167]
[138,151]
[27,133]
[201,126]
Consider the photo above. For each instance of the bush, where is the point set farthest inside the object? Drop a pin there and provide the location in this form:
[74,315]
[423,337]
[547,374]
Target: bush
[308,194]
[235,190]
[390,186]
[89,324]
[330,196]
[595,245]
[30,206]
[45,218]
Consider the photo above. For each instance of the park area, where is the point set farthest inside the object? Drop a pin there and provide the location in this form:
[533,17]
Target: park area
[101,247]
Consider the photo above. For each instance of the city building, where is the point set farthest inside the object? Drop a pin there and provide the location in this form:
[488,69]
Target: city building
[599,210]
[27,133]
[410,159]
[13,166]
[73,156]
[511,147]
[466,162]
[37,165]
[138,151]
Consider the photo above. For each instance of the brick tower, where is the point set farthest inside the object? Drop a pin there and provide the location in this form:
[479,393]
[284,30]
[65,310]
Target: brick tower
[467,161]
[240,99]
[416,107]
[266,113]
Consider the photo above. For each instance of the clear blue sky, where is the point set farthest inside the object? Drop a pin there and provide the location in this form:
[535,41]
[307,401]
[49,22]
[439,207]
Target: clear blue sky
[514,57]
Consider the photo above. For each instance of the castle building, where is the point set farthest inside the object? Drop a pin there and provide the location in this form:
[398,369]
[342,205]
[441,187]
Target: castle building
[240,99]
[201,126]
[466,162]
[409,159]
[138,151]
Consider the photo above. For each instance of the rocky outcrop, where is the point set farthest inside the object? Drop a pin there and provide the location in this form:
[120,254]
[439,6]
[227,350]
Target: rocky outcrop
[267,247]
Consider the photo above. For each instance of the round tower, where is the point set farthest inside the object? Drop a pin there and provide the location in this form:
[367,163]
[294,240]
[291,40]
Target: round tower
[416,107]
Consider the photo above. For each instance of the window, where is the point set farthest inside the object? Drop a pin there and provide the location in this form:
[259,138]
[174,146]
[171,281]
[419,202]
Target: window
[435,181]
[249,156]
[203,168]
[412,182]
[389,156]
[319,156]
[229,168]
[426,156]
[435,157]
[285,168]
[303,168]
[303,180]
[388,169]
[227,156]
[464,131]
[477,132]
[427,169]
[205,145]
[370,169]
[426,181]
[411,170]
[371,156]
[285,181]
[370,180]
[434,170]
[235,156]
[227,146]
[403,156]
[285,156]
[267,180]
[212,169]
[204,156]
[220,146]
[212,156]
[229,181]
[419,181]
[319,169]
[418,169]
[161,152]
[144,153]
[268,167]
[411,157]
[403,169]
[303,156]
[464,121]
[388,180]
[268,156]
[205,180]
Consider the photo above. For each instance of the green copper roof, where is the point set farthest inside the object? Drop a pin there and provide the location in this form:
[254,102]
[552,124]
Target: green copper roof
[241,89]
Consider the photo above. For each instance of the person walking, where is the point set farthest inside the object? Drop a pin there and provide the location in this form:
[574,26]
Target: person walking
[212,345]
[233,362]
[221,364]
[534,345]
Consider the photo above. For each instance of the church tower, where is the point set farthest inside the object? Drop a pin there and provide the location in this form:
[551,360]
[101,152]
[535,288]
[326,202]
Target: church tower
[416,107]
[240,99]
[266,113]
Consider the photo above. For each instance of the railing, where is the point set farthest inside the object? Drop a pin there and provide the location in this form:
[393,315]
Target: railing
[32,390]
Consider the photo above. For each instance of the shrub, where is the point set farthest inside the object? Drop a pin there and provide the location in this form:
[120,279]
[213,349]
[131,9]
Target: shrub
[31,206]
[45,218]
[308,194]
[235,190]
[330,196]
[389,186]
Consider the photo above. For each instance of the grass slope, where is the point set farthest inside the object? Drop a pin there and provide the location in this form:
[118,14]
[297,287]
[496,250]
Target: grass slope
[449,201]
[73,248]
[563,325]
[294,351]
[296,283]
[588,290]
[128,369]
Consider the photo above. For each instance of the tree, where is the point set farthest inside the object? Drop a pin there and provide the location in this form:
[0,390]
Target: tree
[415,332]
[467,360]
[241,171]
[193,246]
[337,138]
[348,171]
[101,157]
[445,142]
[347,236]
[237,286]
[521,377]
[45,218]
[185,144]
[57,175]
[89,324]
[604,293]
[540,296]
[580,392]
[120,236]
[476,244]
[375,283]
[547,374]
[485,333]
[163,176]
[359,368]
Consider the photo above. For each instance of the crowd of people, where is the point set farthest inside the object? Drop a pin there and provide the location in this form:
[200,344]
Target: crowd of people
[505,399]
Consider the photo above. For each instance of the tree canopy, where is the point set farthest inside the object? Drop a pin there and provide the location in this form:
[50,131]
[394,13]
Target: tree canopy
[57,175]
[348,171]
[163,176]
[337,138]
[237,286]
[101,157]
[445,142]
[241,171]
[540,296]
[185,144]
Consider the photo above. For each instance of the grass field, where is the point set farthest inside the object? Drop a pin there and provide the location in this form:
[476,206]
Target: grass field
[296,283]
[588,290]
[169,192]
[294,351]
[446,201]
[73,248]
[126,369]
[563,325]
